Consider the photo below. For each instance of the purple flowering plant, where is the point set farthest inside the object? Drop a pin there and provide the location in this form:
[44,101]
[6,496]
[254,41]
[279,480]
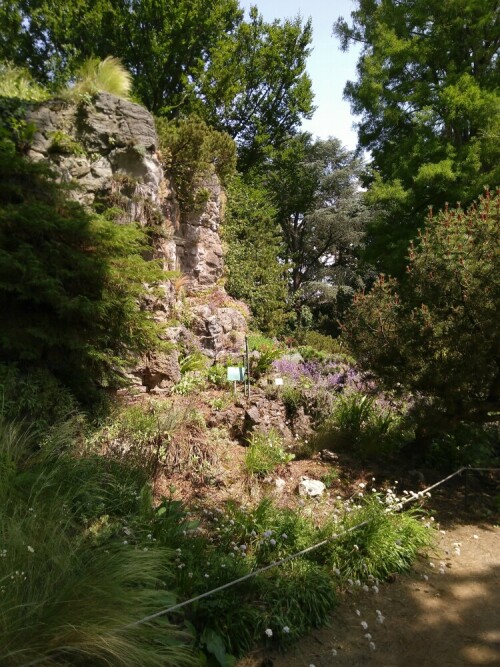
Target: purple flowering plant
[330,374]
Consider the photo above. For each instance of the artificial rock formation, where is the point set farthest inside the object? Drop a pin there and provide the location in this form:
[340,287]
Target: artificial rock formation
[108,151]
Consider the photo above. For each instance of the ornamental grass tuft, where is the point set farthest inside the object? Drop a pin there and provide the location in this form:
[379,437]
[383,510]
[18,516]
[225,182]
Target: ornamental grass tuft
[69,583]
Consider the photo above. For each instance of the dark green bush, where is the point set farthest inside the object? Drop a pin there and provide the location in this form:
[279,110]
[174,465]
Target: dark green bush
[72,282]
[35,397]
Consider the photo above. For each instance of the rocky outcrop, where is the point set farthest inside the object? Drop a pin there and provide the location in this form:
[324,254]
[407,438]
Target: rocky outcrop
[219,323]
[101,149]
[107,150]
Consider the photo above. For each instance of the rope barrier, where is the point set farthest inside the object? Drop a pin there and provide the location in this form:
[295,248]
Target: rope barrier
[162,612]
[313,547]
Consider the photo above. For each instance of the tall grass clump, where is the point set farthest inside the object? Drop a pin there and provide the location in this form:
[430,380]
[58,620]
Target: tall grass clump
[358,423]
[69,582]
[387,542]
[106,76]
[226,543]
[17,82]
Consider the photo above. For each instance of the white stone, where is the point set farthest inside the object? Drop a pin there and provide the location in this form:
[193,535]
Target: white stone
[311,487]
[279,484]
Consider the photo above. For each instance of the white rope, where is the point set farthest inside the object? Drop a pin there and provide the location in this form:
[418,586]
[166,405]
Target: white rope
[413,496]
[244,578]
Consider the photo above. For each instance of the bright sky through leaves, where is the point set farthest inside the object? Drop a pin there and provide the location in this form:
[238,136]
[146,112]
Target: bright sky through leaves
[328,67]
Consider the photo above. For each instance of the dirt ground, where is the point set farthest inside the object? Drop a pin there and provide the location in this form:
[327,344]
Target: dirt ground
[431,619]
[444,613]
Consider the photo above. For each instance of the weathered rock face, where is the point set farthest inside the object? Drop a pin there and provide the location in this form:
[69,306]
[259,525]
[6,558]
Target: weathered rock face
[101,149]
[219,322]
[199,245]
[108,150]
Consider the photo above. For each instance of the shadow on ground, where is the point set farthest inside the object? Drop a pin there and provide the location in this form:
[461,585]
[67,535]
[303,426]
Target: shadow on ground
[430,619]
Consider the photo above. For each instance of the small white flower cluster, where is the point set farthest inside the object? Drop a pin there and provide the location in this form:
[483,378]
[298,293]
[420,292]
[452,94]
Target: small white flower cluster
[367,635]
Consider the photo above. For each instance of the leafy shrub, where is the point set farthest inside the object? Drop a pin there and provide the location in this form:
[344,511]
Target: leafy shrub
[309,353]
[257,341]
[360,424]
[230,542]
[435,333]
[217,375]
[190,382]
[192,150]
[330,477]
[60,142]
[268,351]
[195,361]
[72,283]
[133,432]
[292,398]
[35,397]
[265,452]
[470,445]
[322,343]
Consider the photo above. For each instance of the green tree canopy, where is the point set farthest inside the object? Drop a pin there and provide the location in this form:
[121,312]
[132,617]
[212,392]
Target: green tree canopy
[315,185]
[165,44]
[436,334]
[428,95]
[256,87]
[254,270]
[247,78]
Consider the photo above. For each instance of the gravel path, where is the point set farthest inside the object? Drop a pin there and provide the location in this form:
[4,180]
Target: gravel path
[441,615]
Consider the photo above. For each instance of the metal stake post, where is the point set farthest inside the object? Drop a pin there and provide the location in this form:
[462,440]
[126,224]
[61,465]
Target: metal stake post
[247,377]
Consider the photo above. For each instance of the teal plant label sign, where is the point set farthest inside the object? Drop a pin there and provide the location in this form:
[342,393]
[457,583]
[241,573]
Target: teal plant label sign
[235,373]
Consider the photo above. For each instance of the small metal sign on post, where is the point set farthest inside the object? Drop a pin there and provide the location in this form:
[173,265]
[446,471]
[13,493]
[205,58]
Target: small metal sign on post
[241,373]
[235,374]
